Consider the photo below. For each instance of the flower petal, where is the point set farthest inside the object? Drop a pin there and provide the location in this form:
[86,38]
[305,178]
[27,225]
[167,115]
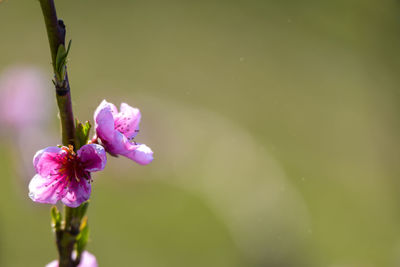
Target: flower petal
[45,160]
[105,104]
[52,264]
[104,123]
[127,121]
[116,145]
[46,189]
[140,153]
[93,157]
[77,192]
[87,260]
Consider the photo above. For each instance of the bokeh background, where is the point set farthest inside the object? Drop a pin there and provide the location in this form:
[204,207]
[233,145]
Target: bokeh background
[275,127]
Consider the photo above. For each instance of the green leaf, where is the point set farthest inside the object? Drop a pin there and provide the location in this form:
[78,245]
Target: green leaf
[82,133]
[83,237]
[55,218]
[61,61]
[69,46]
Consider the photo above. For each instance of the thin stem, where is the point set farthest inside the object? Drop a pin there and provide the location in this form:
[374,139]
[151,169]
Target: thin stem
[66,237]
[56,35]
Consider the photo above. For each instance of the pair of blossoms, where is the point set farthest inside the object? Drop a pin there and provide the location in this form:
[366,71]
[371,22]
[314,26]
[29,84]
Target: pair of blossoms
[65,175]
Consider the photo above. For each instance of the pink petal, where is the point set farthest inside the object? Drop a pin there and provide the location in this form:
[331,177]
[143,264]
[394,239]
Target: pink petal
[45,160]
[46,189]
[93,157]
[87,260]
[116,145]
[140,153]
[127,121]
[52,264]
[104,123]
[77,192]
[105,104]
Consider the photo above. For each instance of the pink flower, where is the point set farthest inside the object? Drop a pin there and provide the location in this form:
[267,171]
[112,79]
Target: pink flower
[87,260]
[22,91]
[64,175]
[117,129]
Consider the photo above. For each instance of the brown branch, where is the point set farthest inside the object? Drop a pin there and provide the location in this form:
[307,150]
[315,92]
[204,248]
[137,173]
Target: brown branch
[56,34]
[66,236]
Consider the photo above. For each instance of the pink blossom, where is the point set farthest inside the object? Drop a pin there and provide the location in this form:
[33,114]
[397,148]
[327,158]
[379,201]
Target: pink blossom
[116,131]
[87,260]
[23,97]
[64,175]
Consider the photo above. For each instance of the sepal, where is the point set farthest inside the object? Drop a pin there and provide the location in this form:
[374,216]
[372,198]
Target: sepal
[55,219]
[82,131]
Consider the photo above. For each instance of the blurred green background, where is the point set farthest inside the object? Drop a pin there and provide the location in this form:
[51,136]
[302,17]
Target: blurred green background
[275,128]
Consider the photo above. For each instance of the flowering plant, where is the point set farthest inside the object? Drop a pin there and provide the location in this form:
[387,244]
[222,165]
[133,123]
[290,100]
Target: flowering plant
[63,172]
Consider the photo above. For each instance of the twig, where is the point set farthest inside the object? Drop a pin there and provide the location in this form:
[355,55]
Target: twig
[66,236]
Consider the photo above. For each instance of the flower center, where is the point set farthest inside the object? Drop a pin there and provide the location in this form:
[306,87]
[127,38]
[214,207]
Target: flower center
[71,166]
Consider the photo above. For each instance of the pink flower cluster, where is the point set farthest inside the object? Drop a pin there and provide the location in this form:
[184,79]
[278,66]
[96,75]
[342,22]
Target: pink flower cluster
[65,175]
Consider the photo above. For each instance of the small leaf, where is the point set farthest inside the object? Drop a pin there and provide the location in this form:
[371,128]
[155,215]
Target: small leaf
[69,46]
[61,62]
[83,237]
[82,133]
[60,54]
[60,58]
[55,218]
